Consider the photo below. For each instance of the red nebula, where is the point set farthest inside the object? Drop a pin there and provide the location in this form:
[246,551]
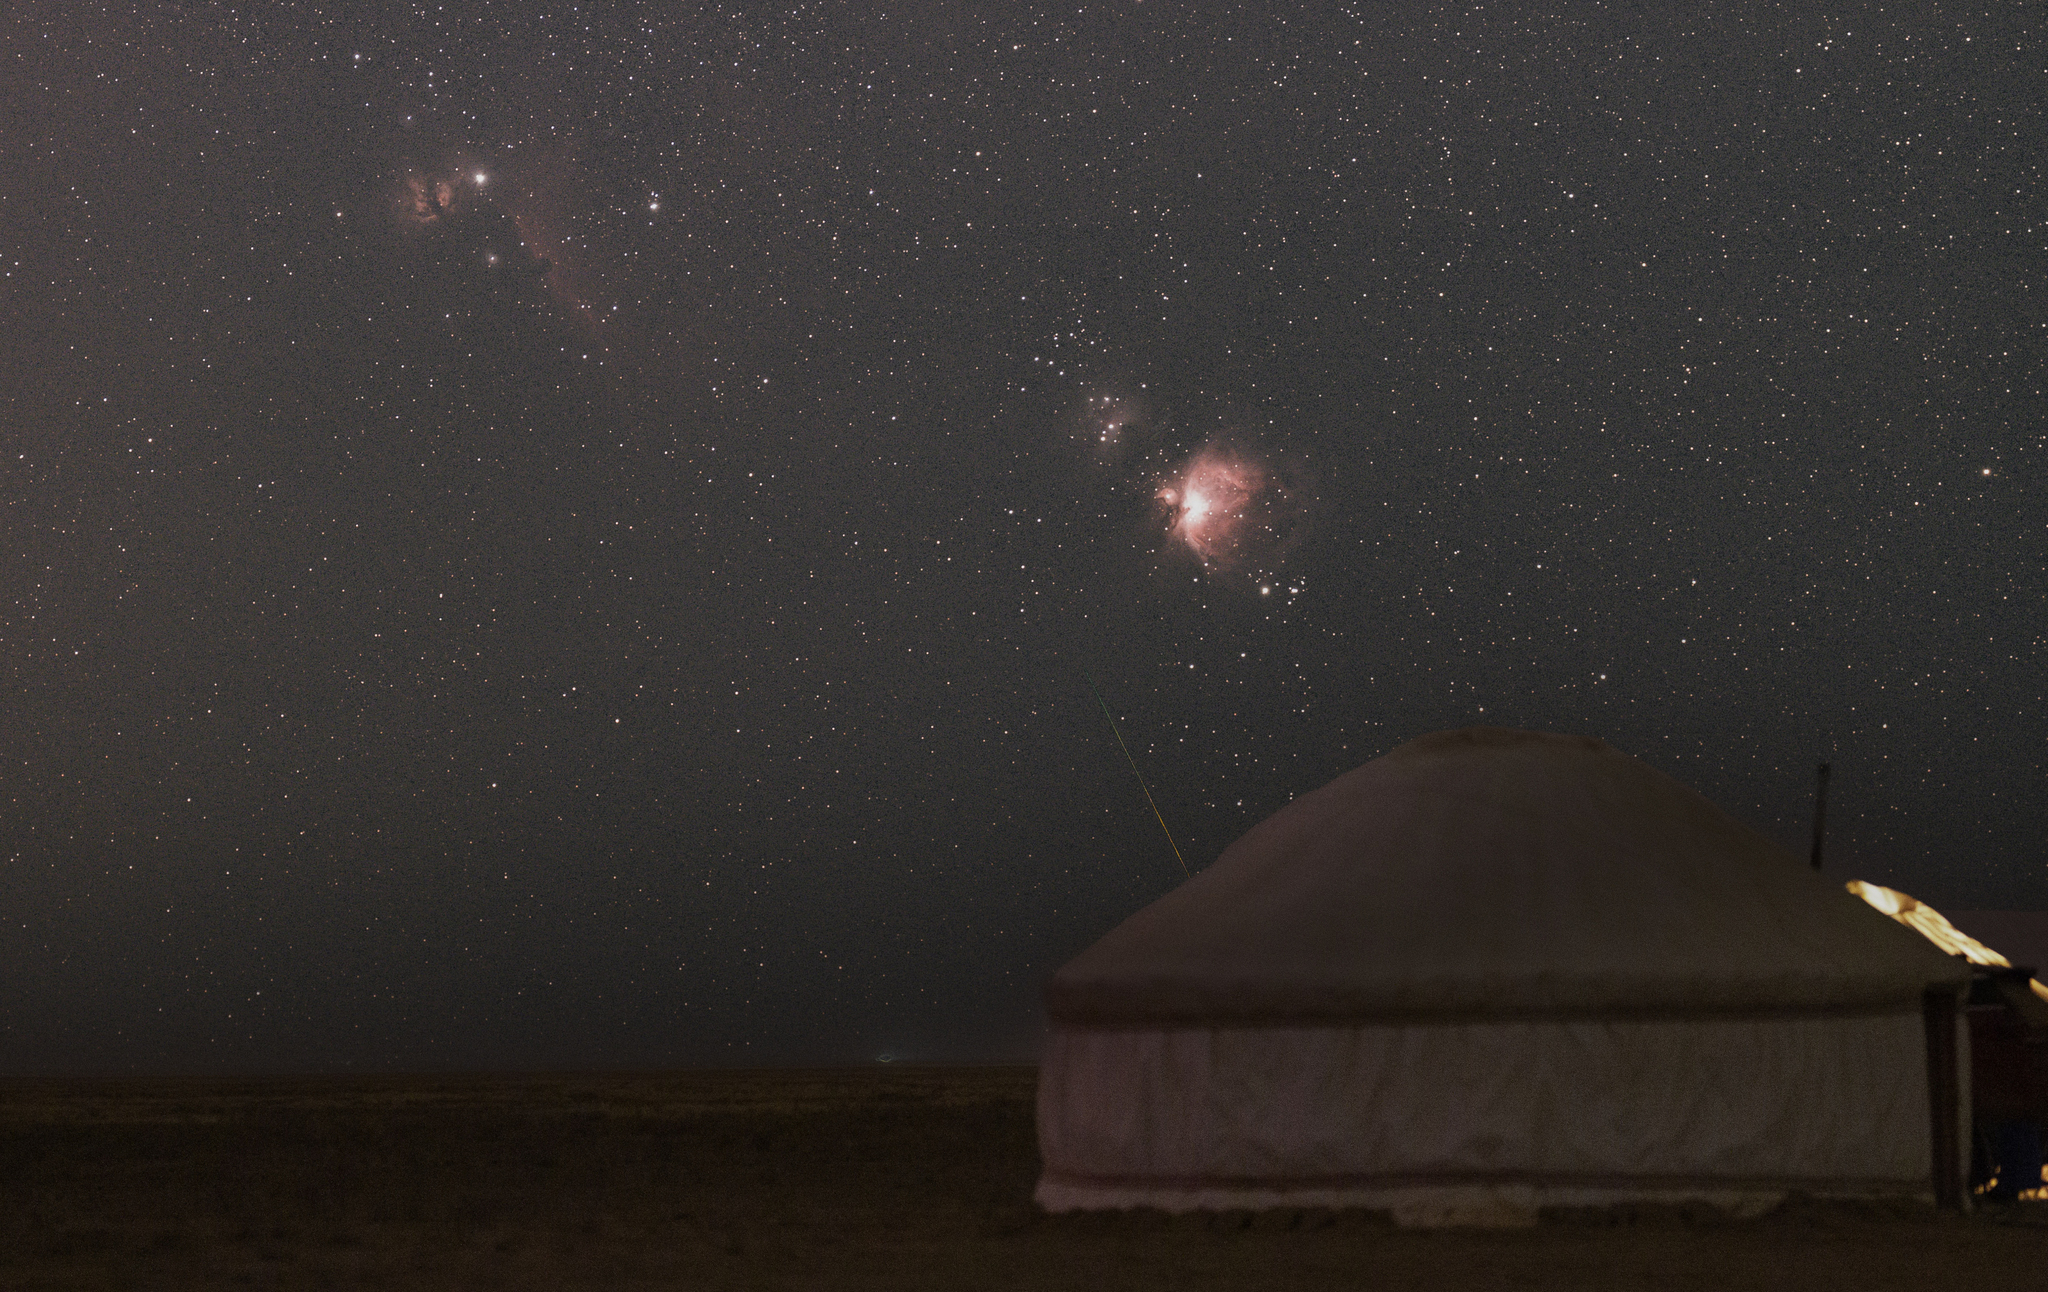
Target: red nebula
[428,200]
[1212,506]
[533,190]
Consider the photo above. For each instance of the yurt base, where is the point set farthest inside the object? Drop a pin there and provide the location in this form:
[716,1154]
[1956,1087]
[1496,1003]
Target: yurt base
[1438,1206]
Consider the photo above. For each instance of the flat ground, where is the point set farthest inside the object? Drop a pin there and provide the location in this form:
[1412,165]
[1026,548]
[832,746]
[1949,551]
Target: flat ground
[887,1178]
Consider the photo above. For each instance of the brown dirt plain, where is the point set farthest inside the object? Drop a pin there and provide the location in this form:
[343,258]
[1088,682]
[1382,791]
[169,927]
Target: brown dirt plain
[897,1178]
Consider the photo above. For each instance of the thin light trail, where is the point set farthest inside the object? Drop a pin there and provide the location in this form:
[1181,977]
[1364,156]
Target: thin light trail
[1135,772]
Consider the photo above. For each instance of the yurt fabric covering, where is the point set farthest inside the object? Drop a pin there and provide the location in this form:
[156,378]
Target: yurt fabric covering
[1491,965]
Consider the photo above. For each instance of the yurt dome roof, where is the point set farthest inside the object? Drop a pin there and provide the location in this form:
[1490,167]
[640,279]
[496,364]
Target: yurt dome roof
[1488,872]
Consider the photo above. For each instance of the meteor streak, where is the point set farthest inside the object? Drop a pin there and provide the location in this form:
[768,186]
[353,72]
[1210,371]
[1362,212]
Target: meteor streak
[1140,775]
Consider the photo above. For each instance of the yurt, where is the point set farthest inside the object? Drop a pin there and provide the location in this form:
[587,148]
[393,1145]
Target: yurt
[1493,971]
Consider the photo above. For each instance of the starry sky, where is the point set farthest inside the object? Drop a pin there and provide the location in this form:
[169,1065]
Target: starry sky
[569,535]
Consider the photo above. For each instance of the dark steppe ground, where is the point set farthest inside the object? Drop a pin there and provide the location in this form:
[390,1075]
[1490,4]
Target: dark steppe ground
[886,1178]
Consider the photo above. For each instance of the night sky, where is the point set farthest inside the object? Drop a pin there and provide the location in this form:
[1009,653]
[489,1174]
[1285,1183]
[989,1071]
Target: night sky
[568,536]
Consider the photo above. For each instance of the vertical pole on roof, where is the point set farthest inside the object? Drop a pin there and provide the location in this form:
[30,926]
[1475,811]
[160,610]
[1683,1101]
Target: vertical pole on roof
[1941,1009]
[1820,814]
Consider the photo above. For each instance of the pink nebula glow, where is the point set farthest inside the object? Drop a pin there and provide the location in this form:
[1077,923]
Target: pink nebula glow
[1237,511]
[1213,507]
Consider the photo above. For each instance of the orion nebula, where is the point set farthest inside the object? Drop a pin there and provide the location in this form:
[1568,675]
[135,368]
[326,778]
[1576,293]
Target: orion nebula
[1234,510]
